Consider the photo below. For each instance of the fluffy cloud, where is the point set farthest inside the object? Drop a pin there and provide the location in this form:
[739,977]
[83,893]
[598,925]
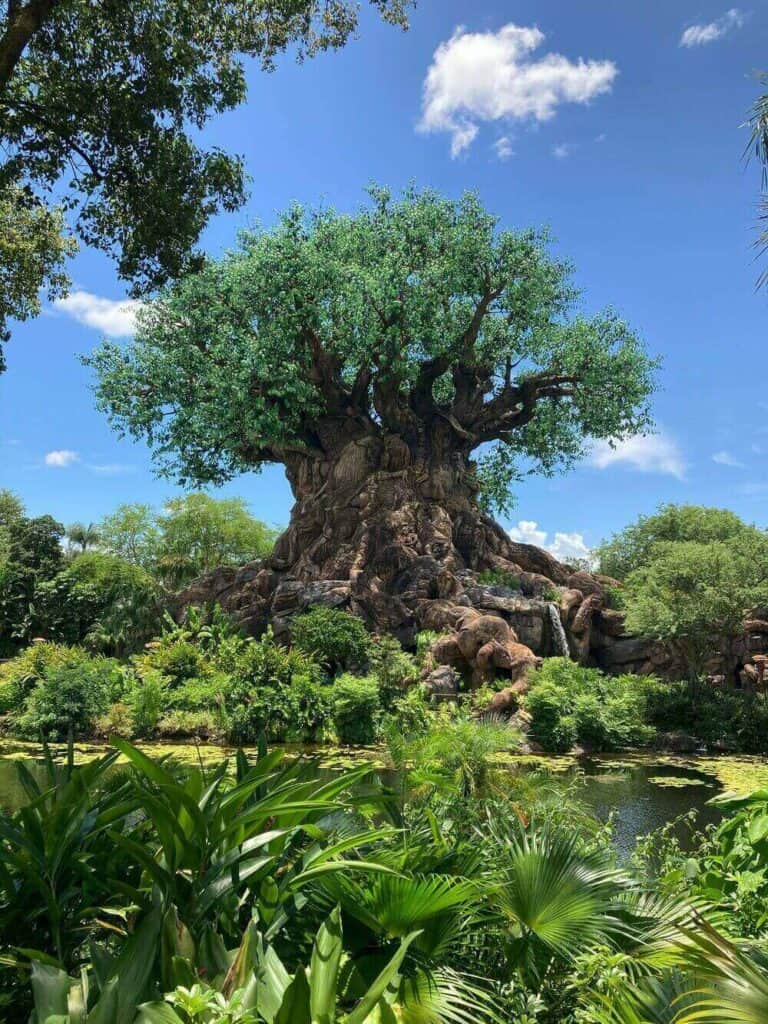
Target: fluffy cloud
[726,459]
[61,458]
[654,453]
[562,150]
[116,318]
[564,546]
[700,35]
[491,76]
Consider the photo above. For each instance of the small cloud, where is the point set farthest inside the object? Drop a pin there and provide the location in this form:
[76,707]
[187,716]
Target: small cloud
[503,147]
[710,32]
[652,453]
[726,459]
[61,458]
[562,150]
[116,318]
[601,137]
[564,546]
[111,468]
[478,77]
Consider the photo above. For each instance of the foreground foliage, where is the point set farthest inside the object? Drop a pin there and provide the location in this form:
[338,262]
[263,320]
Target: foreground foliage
[149,894]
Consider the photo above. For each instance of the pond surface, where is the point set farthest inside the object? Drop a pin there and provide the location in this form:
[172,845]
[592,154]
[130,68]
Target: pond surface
[639,792]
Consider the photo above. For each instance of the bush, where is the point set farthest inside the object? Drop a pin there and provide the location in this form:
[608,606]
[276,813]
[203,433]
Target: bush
[336,639]
[117,721]
[571,704]
[68,699]
[394,669]
[201,725]
[147,697]
[28,689]
[499,578]
[713,715]
[356,708]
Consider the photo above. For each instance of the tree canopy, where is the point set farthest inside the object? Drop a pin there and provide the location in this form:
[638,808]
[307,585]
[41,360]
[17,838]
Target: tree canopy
[103,103]
[412,313]
[634,546]
[190,535]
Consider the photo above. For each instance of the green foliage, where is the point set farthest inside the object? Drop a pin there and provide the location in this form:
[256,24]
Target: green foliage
[317,308]
[189,536]
[356,708]
[396,671]
[737,719]
[33,251]
[449,752]
[571,704]
[499,578]
[336,639]
[633,547]
[123,149]
[695,595]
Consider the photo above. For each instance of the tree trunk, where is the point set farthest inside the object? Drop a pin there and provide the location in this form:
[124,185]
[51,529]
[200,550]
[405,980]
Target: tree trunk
[391,530]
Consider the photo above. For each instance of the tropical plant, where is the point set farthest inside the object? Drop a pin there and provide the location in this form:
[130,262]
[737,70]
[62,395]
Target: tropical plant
[335,638]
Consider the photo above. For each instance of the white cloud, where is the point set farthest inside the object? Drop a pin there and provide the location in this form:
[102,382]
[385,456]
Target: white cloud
[726,459]
[117,318]
[564,546]
[654,453]
[503,147]
[490,76]
[562,150]
[601,137]
[61,458]
[700,35]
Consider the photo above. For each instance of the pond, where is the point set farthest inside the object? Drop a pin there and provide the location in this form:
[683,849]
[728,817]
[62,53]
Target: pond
[640,792]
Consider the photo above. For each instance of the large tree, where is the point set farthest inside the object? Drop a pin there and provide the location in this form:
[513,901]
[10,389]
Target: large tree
[373,354]
[101,103]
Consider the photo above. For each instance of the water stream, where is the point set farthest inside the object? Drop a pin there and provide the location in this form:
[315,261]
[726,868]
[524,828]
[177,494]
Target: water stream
[559,639]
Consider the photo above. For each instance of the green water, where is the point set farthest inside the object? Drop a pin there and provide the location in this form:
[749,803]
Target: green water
[639,792]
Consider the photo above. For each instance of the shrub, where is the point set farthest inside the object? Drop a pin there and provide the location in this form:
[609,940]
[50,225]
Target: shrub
[394,669]
[68,699]
[356,708]
[570,704]
[499,578]
[116,721]
[180,724]
[176,659]
[335,638]
[147,697]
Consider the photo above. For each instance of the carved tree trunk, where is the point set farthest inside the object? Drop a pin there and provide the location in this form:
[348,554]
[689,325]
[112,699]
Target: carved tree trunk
[389,529]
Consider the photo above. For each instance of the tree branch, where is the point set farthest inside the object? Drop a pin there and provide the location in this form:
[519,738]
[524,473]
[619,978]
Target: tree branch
[23,22]
[515,405]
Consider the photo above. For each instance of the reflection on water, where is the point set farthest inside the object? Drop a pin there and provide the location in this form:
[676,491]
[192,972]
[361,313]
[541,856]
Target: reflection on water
[640,793]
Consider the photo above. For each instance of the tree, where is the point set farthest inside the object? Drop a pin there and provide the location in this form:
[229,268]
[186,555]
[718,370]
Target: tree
[695,595]
[102,102]
[33,250]
[131,532]
[199,533]
[30,554]
[83,537]
[187,537]
[633,547]
[371,355]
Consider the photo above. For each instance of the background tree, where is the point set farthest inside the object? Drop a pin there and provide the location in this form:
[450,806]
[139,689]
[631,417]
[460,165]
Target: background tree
[372,355]
[187,537]
[82,537]
[695,595]
[634,546]
[101,102]
[33,250]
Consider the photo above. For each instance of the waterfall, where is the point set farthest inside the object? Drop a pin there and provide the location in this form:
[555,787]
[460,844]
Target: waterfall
[559,638]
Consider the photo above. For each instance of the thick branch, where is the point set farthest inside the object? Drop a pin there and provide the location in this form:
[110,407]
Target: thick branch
[23,23]
[515,405]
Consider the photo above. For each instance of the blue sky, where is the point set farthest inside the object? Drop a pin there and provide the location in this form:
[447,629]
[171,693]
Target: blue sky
[633,157]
